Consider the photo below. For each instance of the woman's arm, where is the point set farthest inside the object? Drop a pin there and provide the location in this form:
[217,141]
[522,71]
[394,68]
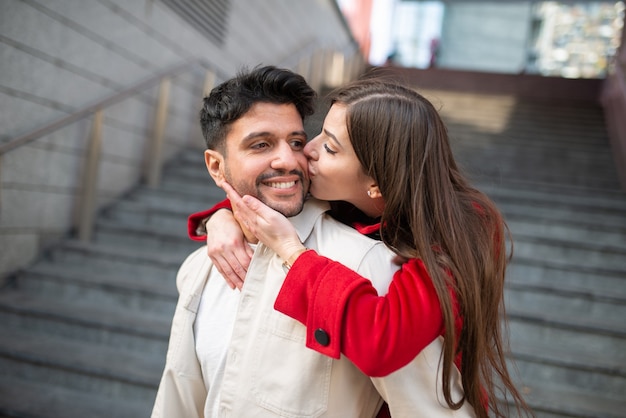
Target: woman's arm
[226,245]
[343,313]
[196,229]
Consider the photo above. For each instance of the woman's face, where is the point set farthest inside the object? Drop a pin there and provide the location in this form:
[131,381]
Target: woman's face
[334,169]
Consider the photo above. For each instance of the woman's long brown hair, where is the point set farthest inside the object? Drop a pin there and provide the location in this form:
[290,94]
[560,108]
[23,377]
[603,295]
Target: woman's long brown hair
[433,213]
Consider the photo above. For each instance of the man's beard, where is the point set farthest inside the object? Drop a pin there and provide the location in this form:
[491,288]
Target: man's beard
[286,208]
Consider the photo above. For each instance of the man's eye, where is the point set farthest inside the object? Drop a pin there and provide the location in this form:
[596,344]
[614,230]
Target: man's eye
[297,143]
[328,150]
[260,145]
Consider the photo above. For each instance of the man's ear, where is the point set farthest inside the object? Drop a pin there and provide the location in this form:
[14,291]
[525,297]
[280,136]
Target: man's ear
[215,165]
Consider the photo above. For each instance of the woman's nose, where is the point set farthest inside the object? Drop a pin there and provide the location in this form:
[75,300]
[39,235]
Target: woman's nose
[311,149]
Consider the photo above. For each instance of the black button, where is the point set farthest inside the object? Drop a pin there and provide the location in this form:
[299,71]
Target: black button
[322,337]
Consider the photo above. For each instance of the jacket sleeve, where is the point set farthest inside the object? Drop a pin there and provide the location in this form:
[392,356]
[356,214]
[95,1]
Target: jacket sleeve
[178,396]
[195,227]
[181,391]
[344,314]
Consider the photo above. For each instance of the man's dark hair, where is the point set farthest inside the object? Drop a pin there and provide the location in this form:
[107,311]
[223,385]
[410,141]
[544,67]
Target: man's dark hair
[233,98]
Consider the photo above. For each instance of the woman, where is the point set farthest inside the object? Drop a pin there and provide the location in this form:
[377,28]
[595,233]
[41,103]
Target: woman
[384,149]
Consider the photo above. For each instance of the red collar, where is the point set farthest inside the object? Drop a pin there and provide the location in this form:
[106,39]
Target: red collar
[366,229]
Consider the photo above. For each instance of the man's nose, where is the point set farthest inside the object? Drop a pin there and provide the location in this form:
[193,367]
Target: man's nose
[285,158]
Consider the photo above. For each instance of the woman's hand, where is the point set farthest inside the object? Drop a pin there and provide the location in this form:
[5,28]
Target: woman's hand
[227,247]
[270,227]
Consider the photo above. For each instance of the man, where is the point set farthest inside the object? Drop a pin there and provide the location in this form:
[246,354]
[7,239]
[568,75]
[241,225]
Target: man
[230,352]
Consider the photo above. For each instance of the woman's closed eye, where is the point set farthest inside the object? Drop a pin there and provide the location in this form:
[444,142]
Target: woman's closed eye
[328,150]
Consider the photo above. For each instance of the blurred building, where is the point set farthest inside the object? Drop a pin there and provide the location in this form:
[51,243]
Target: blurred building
[567,39]
[574,40]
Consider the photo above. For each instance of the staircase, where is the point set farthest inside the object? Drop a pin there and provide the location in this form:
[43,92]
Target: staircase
[83,332]
[548,167]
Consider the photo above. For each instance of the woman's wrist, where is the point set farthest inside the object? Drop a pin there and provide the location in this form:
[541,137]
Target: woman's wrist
[293,257]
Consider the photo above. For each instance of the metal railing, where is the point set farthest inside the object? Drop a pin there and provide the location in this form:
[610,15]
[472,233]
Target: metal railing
[91,109]
[88,191]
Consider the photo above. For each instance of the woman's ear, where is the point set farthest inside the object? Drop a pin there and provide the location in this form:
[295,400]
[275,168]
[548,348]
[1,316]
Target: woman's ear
[374,192]
[215,165]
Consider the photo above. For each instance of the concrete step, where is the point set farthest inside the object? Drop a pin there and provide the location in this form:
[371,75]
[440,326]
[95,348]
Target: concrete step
[550,402]
[134,213]
[594,255]
[176,200]
[171,241]
[485,111]
[518,163]
[78,365]
[193,172]
[562,198]
[193,157]
[543,136]
[576,359]
[140,292]
[551,334]
[612,327]
[564,230]
[567,276]
[610,308]
[180,184]
[604,388]
[130,261]
[98,323]
[60,402]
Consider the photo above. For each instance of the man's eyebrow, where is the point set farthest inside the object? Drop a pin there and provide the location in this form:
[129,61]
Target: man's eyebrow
[333,137]
[255,135]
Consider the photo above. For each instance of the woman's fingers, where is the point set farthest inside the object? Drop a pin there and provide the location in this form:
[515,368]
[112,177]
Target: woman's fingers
[227,247]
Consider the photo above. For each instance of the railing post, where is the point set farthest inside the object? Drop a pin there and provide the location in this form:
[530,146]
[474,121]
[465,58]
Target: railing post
[304,68]
[352,67]
[209,83]
[1,188]
[336,76]
[317,70]
[155,156]
[90,179]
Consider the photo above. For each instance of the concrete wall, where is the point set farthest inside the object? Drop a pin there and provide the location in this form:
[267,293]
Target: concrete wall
[59,56]
[477,36]
[614,102]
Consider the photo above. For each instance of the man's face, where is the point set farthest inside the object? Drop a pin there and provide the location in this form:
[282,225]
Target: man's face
[264,157]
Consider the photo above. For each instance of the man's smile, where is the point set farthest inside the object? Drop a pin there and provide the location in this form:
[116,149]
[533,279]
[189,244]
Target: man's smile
[282,185]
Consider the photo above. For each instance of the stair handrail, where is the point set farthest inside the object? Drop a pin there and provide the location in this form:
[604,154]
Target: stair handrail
[101,104]
[88,193]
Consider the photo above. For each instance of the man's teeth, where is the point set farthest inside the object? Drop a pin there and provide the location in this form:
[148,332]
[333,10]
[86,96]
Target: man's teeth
[285,185]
